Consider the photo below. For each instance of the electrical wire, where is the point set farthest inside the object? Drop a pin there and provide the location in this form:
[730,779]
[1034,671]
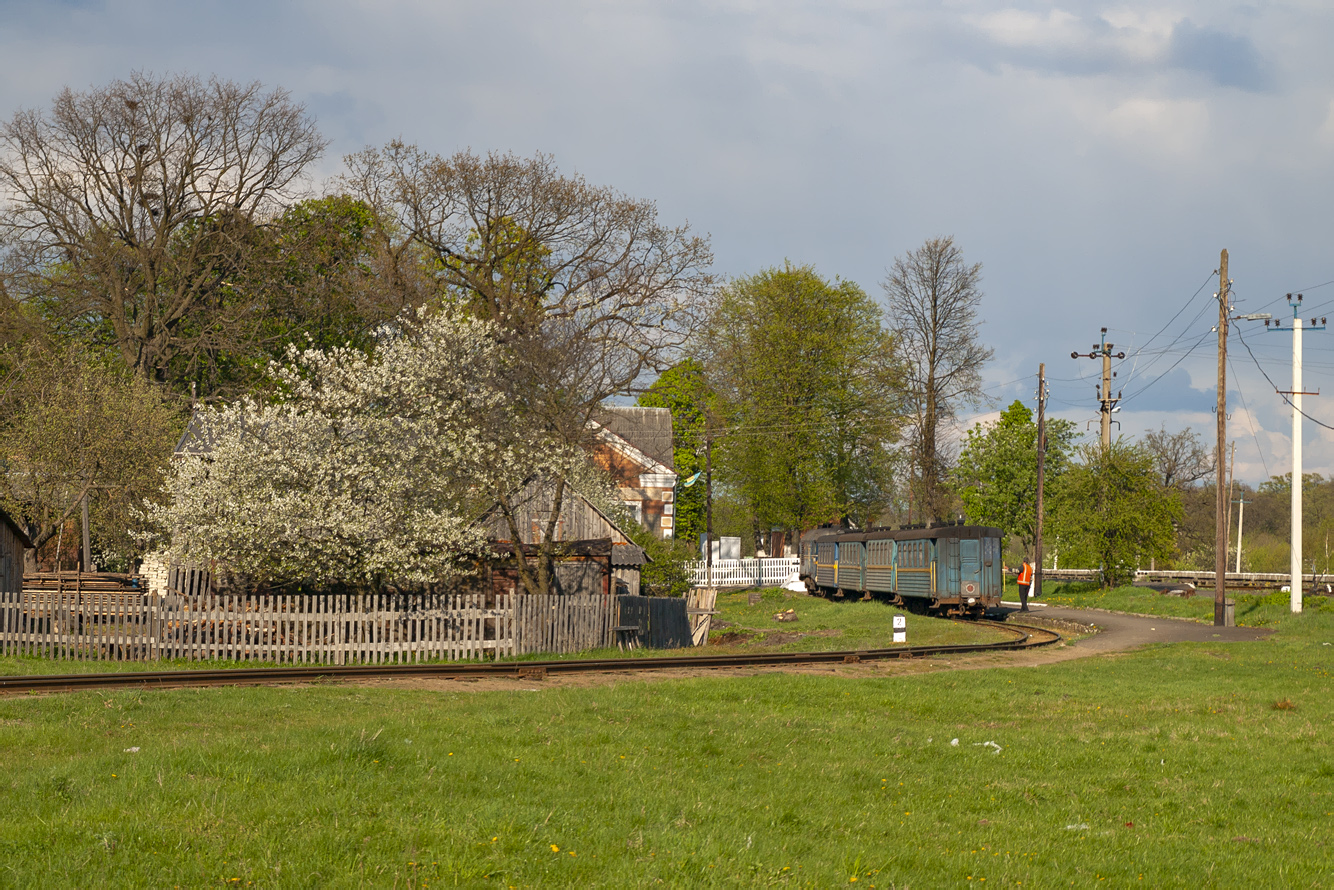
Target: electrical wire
[1143,349]
[1183,357]
[1285,398]
[1250,418]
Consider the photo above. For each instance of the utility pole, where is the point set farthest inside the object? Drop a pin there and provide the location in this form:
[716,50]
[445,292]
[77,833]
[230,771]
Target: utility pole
[1036,589]
[1295,394]
[1241,518]
[1106,403]
[708,505]
[1220,481]
[87,541]
[1231,490]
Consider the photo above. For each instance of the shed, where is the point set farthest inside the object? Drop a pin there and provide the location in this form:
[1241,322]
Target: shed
[13,542]
[579,524]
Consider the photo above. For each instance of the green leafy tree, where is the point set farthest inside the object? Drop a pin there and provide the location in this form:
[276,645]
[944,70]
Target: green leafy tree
[997,473]
[1113,513]
[684,391]
[811,391]
[76,424]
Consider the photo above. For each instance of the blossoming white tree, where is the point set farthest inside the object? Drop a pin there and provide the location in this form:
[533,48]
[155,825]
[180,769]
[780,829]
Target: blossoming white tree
[364,470]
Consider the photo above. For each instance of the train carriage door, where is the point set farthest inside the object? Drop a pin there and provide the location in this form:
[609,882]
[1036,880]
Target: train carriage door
[970,567]
[948,551]
[991,567]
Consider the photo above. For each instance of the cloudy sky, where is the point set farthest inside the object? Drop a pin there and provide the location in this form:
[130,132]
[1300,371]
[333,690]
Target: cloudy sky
[1093,157]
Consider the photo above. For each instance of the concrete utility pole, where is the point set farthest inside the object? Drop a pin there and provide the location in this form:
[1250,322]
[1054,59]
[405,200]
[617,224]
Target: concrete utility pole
[1241,518]
[708,506]
[1220,481]
[87,540]
[1295,394]
[1106,403]
[1036,589]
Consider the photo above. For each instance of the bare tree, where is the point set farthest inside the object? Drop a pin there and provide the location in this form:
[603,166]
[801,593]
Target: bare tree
[933,296]
[131,206]
[1181,458]
[591,292]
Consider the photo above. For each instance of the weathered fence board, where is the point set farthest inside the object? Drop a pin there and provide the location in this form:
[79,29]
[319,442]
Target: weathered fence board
[287,629]
[309,629]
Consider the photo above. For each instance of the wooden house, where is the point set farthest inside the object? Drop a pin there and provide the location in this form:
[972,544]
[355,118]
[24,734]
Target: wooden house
[14,543]
[634,445]
[581,526]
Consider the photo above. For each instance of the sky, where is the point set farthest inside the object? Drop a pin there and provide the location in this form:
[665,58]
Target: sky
[1094,158]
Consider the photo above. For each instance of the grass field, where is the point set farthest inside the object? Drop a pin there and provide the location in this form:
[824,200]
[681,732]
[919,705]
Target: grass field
[1185,765]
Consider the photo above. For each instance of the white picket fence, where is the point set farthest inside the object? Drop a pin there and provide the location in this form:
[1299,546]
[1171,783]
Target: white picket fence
[765,572]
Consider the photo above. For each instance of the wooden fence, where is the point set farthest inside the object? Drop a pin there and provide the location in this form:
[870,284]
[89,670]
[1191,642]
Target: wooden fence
[321,629]
[564,623]
[769,572]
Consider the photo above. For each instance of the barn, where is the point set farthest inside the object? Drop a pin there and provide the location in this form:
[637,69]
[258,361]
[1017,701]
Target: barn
[597,556]
[14,541]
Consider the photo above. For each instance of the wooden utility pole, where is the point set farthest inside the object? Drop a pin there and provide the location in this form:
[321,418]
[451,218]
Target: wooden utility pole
[1036,589]
[1220,480]
[1106,402]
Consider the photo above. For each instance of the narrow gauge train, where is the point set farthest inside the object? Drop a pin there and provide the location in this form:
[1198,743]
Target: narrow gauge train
[948,569]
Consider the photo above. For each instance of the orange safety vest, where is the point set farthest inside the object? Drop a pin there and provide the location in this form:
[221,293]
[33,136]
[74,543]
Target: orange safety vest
[1026,574]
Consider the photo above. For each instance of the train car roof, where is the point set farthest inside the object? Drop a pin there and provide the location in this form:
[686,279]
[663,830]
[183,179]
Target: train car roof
[919,534]
[819,534]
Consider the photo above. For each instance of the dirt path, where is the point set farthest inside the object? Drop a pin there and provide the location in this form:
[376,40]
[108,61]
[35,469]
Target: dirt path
[1115,633]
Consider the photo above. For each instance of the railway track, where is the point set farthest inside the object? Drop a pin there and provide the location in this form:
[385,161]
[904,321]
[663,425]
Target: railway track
[1025,637]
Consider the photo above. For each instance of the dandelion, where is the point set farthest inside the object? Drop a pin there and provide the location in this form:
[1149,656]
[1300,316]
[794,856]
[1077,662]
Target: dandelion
[555,849]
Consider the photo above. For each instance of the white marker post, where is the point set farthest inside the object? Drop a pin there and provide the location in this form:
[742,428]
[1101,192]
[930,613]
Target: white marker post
[900,628]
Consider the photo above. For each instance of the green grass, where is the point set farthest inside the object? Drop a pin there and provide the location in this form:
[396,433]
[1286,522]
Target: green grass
[825,625]
[821,626]
[1180,766]
[1252,610]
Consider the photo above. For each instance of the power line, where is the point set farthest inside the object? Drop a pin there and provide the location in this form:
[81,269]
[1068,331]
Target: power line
[1184,356]
[1275,385]
[1250,419]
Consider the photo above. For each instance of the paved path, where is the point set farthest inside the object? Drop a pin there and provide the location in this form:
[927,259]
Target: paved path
[1117,632]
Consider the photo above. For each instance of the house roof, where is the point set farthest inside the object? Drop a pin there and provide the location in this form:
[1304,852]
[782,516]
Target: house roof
[196,438]
[648,429]
[628,555]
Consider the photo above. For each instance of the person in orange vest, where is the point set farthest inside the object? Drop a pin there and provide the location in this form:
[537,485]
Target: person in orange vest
[1025,581]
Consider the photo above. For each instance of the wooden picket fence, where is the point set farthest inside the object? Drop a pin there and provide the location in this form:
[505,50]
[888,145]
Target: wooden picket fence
[321,629]
[558,623]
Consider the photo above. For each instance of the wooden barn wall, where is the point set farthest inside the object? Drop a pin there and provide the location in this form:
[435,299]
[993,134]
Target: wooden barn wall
[11,559]
[578,520]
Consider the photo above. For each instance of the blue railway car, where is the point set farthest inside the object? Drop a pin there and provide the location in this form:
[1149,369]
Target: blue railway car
[949,569]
